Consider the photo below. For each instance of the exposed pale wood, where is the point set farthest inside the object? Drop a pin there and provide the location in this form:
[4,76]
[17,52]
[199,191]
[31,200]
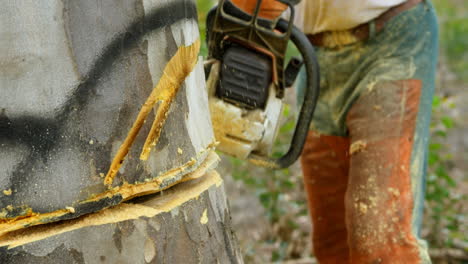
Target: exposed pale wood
[189,223]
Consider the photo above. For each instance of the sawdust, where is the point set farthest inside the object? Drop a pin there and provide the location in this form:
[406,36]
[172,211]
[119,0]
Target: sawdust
[242,132]
[150,250]
[204,217]
[263,163]
[373,200]
[175,72]
[127,191]
[30,218]
[171,199]
[7,192]
[357,147]
[371,85]
[180,151]
[403,168]
[230,127]
[362,207]
[338,38]
[394,191]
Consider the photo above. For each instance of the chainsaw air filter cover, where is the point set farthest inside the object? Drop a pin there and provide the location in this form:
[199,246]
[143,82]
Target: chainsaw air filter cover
[245,77]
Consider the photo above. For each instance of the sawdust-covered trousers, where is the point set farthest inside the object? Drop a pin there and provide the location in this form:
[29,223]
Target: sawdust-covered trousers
[364,160]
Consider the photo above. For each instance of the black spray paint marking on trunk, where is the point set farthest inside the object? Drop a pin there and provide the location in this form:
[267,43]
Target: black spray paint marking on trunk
[42,135]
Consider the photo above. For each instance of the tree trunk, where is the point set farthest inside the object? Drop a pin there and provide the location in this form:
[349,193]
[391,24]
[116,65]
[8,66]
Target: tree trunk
[167,228]
[78,79]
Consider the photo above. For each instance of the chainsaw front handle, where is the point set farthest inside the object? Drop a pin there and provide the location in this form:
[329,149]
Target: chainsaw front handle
[306,113]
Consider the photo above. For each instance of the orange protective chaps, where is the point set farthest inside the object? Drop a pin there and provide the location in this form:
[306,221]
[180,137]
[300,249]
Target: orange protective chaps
[359,187]
[325,164]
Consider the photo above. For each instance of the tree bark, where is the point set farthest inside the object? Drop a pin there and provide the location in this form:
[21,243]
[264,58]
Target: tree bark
[195,231]
[75,78]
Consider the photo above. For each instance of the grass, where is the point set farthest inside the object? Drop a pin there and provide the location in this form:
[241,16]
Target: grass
[453,21]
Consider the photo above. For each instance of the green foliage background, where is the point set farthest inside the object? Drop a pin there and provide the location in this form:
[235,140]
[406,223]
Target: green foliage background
[281,193]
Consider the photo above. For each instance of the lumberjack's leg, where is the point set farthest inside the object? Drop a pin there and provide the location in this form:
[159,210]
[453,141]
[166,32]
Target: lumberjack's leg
[325,164]
[380,198]
[359,78]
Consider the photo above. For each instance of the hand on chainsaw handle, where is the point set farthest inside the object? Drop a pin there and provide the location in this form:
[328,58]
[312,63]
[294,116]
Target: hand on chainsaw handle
[269,9]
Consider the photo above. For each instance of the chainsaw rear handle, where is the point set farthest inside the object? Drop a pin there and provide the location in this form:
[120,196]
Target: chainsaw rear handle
[308,105]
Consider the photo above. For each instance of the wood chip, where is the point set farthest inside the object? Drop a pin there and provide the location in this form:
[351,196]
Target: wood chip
[357,147]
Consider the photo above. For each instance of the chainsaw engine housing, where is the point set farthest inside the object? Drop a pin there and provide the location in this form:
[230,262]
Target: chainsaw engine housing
[245,77]
[247,80]
[240,130]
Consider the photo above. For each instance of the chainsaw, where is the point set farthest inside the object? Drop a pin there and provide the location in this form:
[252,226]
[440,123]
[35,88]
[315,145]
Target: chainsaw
[247,78]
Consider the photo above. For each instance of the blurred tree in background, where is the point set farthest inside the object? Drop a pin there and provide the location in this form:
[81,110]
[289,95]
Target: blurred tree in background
[280,198]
